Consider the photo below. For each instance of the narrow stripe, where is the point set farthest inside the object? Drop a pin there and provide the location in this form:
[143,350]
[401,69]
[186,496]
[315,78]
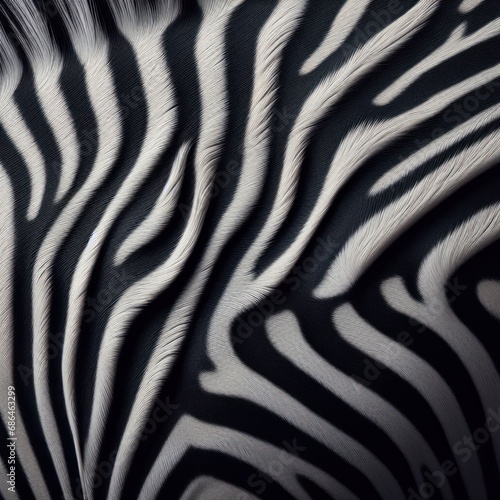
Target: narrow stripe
[270,45]
[316,107]
[469,5]
[161,212]
[147,42]
[456,44]
[375,235]
[433,149]
[24,449]
[435,312]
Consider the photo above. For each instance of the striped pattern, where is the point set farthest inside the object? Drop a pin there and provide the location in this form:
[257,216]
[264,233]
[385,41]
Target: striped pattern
[250,249]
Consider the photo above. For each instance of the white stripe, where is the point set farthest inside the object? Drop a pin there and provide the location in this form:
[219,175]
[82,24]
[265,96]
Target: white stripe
[456,43]
[270,45]
[468,5]
[23,140]
[59,118]
[435,312]
[24,449]
[32,31]
[436,147]
[11,68]
[375,235]
[325,95]
[353,152]
[230,377]
[99,82]
[83,27]
[162,119]
[190,432]
[211,67]
[343,24]
[211,488]
[420,375]
[161,212]
[286,336]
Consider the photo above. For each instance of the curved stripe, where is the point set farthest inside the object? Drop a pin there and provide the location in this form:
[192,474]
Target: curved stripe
[320,102]
[24,449]
[23,140]
[59,118]
[211,488]
[375,235]
[82,25]
[353,152]
[10,67]
[32,31]
[161,212]
[344,23]
[468,5]
[191,432]
[287,338]
[231,377]
[270,45]
[162,120]
[99,82]
[435,312]
[420,375]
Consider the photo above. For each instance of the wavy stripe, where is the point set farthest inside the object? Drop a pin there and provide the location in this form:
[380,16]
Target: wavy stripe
[19,133]
[375,235]
[59,118]
[11,68]
[230,377]
[162,120]
[287,338]
[211,488]
[420,375]
[82,26]
[344,23]
[354,150]
[209,53]
[316,107]
[161,212]
[32,32]
[190,432]
[435,312]
[100,88]
[34,37]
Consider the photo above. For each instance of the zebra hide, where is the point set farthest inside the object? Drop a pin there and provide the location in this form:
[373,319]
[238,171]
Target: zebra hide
[250,249]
